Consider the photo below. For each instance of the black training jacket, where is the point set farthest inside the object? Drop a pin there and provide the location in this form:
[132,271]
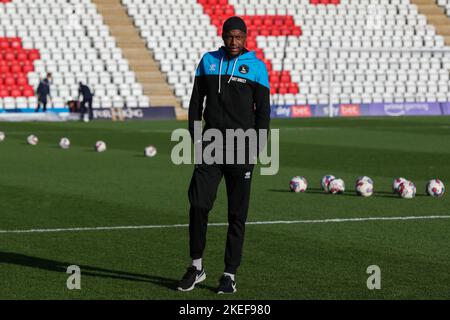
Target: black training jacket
[237,92]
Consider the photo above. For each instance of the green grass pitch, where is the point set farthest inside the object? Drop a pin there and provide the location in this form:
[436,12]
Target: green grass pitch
[46,187]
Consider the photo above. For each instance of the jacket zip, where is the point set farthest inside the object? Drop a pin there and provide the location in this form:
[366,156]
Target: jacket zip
[223,104]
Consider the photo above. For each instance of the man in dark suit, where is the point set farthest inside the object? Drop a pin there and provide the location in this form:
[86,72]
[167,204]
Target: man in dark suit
[83,90]
[43,91]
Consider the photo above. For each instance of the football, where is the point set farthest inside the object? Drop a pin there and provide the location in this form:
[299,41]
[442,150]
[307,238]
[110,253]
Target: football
[396,184]
[150,151]
[32,140]
[364,178]
[298,184]
[435,188]
[64,143]
[2,136]
[407,190]
[336,186]
[100,146]
[326,181]
[364,188]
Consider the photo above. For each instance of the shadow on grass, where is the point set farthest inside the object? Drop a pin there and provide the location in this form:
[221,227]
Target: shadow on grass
[58,266]
[314,191]
[351,193]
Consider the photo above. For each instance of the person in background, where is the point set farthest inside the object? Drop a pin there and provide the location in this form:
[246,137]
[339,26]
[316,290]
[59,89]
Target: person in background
[83,90]
[43,91]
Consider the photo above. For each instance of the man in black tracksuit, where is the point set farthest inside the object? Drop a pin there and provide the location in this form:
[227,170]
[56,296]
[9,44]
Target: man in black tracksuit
[43,91]
[83,90]
[236,86]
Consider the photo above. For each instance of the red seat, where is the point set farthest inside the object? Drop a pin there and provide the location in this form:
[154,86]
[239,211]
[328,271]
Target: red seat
[264,32]
[22,56]
[229,11]
[289,21]
[297,31]
[251,44]
[9,81]
[285,31]
[28,92]
[33,54]
[259,53]
[15,93]
[27,68]
[9,56]
[286,78]
[22,81]
[15,68]
[268,21]
[16,43]
[273,78]
[282,90]
[293,89]
[4,93]
[257,21]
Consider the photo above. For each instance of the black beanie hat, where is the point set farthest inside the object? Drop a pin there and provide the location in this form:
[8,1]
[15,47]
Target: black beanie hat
[234,23]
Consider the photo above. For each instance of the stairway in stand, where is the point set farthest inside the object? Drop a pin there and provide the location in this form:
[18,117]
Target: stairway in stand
[139,57]
[435,16]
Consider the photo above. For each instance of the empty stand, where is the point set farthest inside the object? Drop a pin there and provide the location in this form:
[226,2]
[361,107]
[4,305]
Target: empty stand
[69,39]
[135,51]
[293,37]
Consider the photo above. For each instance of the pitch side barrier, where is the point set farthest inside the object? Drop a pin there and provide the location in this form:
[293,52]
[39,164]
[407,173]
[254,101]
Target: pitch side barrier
[335,107]
[362,110]
[108,114]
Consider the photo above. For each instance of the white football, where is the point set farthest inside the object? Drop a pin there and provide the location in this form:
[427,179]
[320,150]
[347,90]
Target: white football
[32,140]
[407,190]
[2,136]
[298,184]
[325,182]
[396,184]
[364,188]
[435,188]
[150,151]
[64,143]
[336,186]
[100,146]
[364,178]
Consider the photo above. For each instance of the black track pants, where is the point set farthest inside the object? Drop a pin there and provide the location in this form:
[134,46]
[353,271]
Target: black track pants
[44,105]
[202,193]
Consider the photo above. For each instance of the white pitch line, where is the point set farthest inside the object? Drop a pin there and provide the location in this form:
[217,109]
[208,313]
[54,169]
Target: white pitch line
[167,226]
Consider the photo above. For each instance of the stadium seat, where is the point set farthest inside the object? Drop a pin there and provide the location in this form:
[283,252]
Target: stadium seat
[445,4]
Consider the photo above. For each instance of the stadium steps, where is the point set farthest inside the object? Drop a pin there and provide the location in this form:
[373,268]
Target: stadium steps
[435,16]
[147,70]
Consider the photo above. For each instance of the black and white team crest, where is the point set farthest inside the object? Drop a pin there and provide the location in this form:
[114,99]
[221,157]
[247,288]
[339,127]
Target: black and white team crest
[248,175]
[244,69]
